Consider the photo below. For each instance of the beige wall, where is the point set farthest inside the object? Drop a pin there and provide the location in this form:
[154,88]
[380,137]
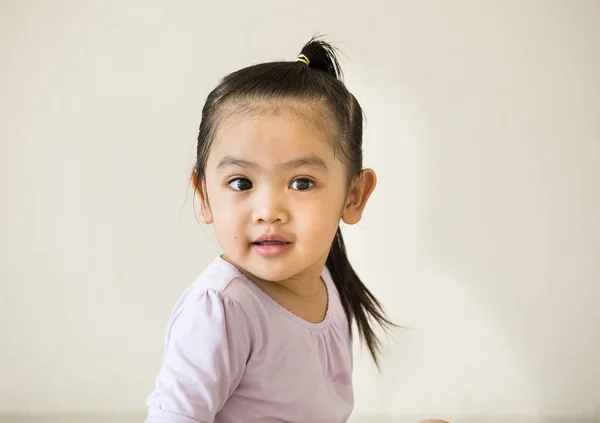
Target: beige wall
[483,235]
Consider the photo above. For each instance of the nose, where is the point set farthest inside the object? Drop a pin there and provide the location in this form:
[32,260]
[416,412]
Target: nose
[270,206]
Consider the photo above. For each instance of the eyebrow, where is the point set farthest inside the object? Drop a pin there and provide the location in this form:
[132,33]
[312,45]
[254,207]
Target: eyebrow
[310,161]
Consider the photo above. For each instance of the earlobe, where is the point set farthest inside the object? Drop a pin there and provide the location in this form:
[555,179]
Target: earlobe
[200,189]
[359,194]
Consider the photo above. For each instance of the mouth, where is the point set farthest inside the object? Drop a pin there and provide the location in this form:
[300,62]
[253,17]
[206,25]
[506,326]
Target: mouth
[270,245]
[271,239]
[264,243]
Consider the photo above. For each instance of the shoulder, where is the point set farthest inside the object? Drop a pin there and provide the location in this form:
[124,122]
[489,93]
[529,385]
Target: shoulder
[220,279]
[220,289]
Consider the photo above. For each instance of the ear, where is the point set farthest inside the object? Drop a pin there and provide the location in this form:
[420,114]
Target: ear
[200,189]
[356,200]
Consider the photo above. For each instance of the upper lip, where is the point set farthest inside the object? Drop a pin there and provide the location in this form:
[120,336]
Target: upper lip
[271,237]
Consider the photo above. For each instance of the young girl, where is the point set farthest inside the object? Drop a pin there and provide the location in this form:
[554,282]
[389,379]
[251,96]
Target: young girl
[264,333]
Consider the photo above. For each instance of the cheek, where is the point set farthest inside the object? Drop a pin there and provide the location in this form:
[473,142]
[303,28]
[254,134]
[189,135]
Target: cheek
[227,219]
[318,233]
[229,233]
[322,216]
[226,216]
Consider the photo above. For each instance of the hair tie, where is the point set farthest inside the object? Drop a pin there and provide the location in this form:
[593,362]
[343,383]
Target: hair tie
[302,58]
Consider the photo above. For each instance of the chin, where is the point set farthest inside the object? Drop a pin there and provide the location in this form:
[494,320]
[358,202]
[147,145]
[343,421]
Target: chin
[268,270]
[275,273]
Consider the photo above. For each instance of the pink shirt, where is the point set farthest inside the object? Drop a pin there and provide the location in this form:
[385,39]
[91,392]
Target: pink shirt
[233,354]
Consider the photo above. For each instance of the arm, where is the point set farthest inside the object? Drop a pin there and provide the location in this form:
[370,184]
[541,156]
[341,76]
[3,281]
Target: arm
[207,348]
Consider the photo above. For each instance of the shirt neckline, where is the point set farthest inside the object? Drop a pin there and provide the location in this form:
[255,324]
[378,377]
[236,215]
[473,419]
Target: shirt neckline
[325,276]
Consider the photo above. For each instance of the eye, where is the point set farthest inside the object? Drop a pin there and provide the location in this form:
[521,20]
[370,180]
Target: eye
[240,184]
[302,184]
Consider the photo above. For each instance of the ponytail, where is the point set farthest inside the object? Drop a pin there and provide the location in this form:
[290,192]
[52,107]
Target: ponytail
[359,303]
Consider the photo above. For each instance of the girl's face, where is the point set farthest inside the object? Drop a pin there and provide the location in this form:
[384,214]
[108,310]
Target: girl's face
[275,193]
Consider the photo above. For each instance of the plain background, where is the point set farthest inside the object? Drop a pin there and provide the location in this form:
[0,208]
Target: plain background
[483,236]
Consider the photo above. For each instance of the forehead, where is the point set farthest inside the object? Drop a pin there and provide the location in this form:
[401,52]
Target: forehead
[273,130]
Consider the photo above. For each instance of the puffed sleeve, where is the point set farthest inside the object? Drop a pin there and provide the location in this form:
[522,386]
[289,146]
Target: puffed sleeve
[207,347]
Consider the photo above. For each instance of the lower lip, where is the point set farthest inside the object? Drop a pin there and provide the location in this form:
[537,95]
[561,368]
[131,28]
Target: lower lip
[272,249]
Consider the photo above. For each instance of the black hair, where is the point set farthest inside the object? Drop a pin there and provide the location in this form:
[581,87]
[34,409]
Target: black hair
[320,82]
